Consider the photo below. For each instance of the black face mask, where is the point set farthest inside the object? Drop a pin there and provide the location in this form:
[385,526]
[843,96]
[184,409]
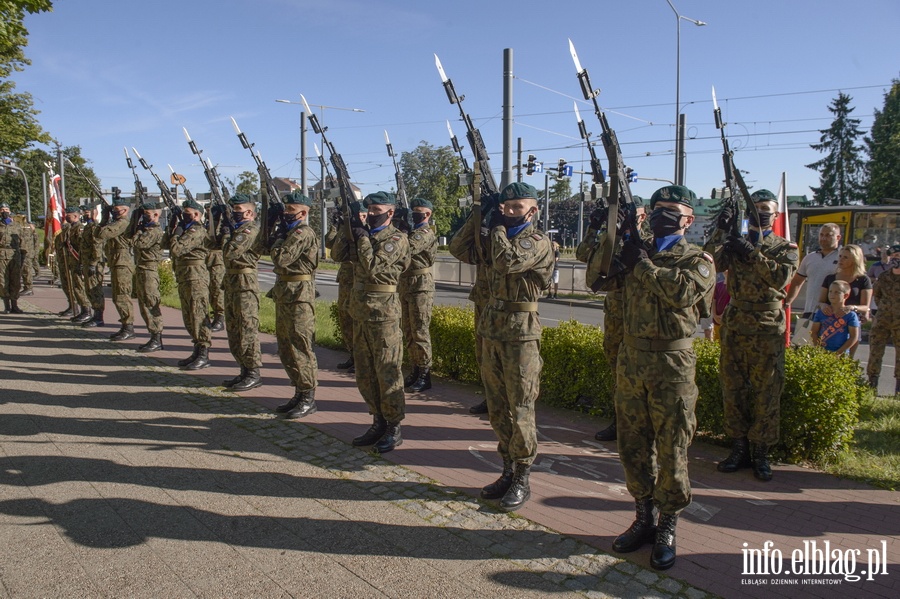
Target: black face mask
[511,222]
[765,220]
[289,218]
[4,216]
[419,218]
[376,220]
[895,262]
[665,221]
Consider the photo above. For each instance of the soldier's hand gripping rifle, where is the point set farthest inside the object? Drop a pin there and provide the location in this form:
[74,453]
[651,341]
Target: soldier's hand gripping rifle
[734,180]
[175,212]
[219,211]
[329,188]
[90,181]
[140,196]
[485,203]
[403,215]
[340,171]
[271,207]
[619,190]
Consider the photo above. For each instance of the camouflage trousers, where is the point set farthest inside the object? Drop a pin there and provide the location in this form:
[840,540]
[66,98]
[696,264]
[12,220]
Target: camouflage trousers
[416,325]
[30,270]
[148,296]
[751,372]
[216,290]
[377,355]
[242,325]
[122,286]
[93,286]
[344,318]
[511,372]
[884,330]
[66,278]
[655,400]
[479,340]
[10,277]
[194,297]
[613,333]
[295,325]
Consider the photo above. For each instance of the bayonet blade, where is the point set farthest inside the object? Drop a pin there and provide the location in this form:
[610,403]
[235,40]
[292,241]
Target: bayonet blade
[577,114]
[440,68]
[235,125]
[715,103]
[133,149]
[449,130]
[305,104]
[574,54]
[316,148]
[387,139]
[186,135]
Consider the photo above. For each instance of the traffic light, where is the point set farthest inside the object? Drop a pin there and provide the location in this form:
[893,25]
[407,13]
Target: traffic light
[561,169]
[529,170]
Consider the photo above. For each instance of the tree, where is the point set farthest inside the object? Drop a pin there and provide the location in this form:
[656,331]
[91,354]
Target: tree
[841,171]
[34,163]
[883,144]
[248,182]
[561,189]
[432,173]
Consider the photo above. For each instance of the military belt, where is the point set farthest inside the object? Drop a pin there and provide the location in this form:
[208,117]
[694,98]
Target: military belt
[515,306]
[294,278]
[182,262]
[657,344]
[417,271]
[756,307]
[375,288]
[239,271]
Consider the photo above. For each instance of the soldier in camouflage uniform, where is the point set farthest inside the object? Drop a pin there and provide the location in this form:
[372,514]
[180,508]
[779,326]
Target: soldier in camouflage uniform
[216,265]
[11,253]
[668,289]
[241,248]
[589,252]
[29,259]
[296,257]
[67,266]
[886,327]
[382,254]
[91,259]
[115,233]
[751,366]
[148,251]
[341,248]
[417,296]
[188,248]
[521,267]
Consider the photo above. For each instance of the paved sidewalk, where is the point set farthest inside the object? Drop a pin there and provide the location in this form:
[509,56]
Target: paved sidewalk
[131,478]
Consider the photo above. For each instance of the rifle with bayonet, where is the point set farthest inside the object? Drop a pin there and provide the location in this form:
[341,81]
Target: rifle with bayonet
[219,211]
[619,190]
[403,214]
[140,196]
[271,207]
[175,212]
[734,180]
[340,171]
[332,190]
[485,203]
[90,181]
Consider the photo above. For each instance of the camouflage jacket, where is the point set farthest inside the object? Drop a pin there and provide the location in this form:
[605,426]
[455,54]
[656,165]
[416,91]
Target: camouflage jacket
[241,249]
[887,296]
[10,241]
[189,251]
[29,242]
[379,260]
[148,249]
[419,277]
[118,242]
[666,295]
[520,269]
[341,251]
[756,284]
[68,241]
[91,245]
[462,247]
[296,254]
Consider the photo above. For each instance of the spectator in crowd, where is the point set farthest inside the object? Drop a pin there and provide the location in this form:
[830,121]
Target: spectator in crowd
[852,270]
[814,268]
[838,331]
[887,323]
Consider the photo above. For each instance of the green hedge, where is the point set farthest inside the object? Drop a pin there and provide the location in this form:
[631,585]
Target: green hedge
[819,405]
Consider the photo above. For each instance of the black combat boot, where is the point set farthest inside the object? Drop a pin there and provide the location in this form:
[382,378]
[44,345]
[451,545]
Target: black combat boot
[375,432]
[305,406]
[296,400]
[155,344]
[423,382]
[479,408]
[201,361]
[218,323]
[760,462]
[95,321]
[519,491]
[125,333]
[190,358]
[739,458]
[251,381]
[873,382]
[69,311]
[14,307]
[5,305]
[499,487]
[229,383]
[641,531]
[84,315]
[409,380]
[390,439]
[346,365]
[662,557]
[609,433]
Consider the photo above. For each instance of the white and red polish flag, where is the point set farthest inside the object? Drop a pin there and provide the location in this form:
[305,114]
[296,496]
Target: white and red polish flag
[55,207]
[782,225]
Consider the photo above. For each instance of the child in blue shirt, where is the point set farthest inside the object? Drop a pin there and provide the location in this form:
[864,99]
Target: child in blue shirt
[839,332]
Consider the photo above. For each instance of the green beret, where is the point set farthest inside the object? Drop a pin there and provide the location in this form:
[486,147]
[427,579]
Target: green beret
[421,203]
[518,191]
[241,198]
[357,207]
[763,195]
[4,205]
[69,209]
[121,202]
[638,201]
[296,197]
[381,198]
[193,204]
[84,207]
[895,248]
[677,194]
[151,206]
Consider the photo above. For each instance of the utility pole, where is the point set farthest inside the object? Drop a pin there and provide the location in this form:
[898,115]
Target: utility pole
[506,177]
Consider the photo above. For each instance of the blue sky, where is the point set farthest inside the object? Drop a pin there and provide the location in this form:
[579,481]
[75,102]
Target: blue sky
[108,74]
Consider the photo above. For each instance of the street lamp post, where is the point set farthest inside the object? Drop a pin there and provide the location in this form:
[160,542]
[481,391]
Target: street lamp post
[679,125]
[9,165]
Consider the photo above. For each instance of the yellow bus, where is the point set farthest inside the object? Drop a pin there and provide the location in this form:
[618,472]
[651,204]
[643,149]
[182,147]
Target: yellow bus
[867,226]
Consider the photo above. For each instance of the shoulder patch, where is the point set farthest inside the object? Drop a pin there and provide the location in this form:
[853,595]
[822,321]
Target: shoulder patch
[537,236]
[395,237]
[417,236]
[703,270]
[792,245]
[526,244]
[792,255]
[389,247]
[239,238]
[708,258]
